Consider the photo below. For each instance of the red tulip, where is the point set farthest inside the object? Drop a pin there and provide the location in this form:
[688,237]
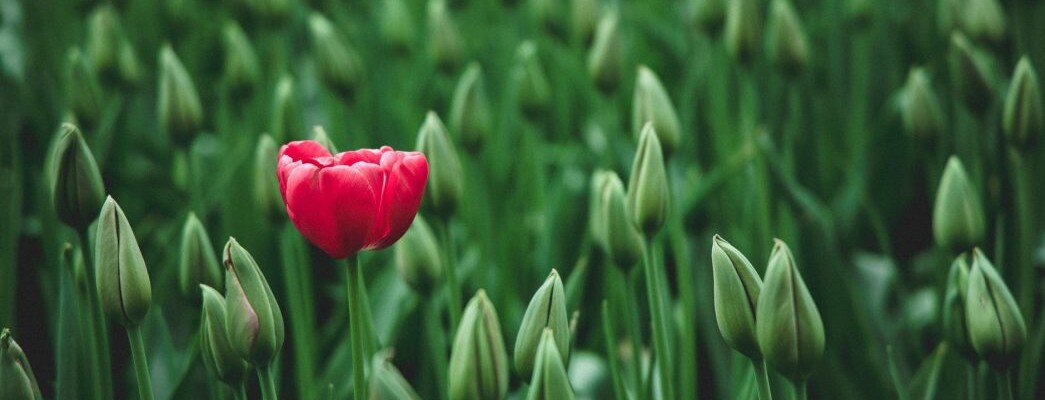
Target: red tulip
[351,201]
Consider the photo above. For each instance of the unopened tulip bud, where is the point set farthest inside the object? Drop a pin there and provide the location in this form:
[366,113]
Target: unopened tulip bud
[955,328]
[396,25]
[417,257]
[109,51]
[285,114]
[623,241]
[790,331]
[1024,118]
[709,15]
[584,14]
[444,39]
[605,60]
[549,380]
[446,177]
[479,362]
[254,321]
[983,20]
[551,14]
[743,30]
[652,104]
[970,74]
[596,224]
[470,110]
[266,189]
[179,106]
[737,287]
[786,46]
[648,187]
[534,91]
[958,221]
[319,135]
[270,11]
[242,71]
[78,192]
[123,281]
[386,383]
[198,264]
[996,327]
[547,311]
[215,348]
[17,381]
[919,107]
[337,63]
[84,91]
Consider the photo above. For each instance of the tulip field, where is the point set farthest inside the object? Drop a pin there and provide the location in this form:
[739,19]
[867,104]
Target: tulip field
[522,199]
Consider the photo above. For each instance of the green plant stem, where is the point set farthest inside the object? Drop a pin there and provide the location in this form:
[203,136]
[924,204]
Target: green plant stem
[660,322]
[239,392]
[971,380]
[762,376]
[452,288]
[141,363]
[611,353]
[634,330]
[99,347]
[687,350]
[436,345]
[1005,385]
[355,314]
[800,390]
[267,383]
[299,299]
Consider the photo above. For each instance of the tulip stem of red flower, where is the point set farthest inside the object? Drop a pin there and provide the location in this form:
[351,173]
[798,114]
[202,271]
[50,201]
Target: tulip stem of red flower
[267,383]
[141,363]
[453,290]
[355,321]
[660,323]
[98,335]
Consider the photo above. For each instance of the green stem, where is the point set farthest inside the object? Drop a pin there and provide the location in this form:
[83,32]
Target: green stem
[300,300]
[239,392]
[634,330]
[688,388]
[451,274]
[971,380]
[611,353]
[267,383]
[99,334]
[660,322]
[1005,385]
[355,314]
[762,376]
[436,345]
[141,363]
[800,390]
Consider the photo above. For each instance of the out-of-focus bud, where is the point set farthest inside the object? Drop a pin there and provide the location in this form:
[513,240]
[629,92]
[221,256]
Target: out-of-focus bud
[242,71]
[470,110]
[271,12]
[790,331]
[584,14]
[320,135]
[708,15]
[337,63]
[446,180]
[198,264]
[444,39]
[958,221]
[996,327]
[596,225]
[743,30]
[179,106]
[17,381]
[1024,118]
[648,186]
[547,311]
[786,43]
[736,286]
[215,348]
[266,189]
[549,380]
[970,74]
[859,13]
[109,50]
[84,92]
[919,107]
[948,14]
[605,60]
[551,14]
[623,241]
[254,321]
[651,104]
[123,281]
[78,192]
[479,362]
[983,20]
[417,257]
[386,383]
[396,25]
[534,91]
[955,329]
[286,116]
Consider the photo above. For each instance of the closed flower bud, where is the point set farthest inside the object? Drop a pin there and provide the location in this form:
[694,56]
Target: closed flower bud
[596,224]
[215,348]
[386,383]
[242,71]
[958,221]
[123,281]
[446,179]
[78,192]
[584,14]
[417,257]
[198,263]
[790,332]
[478,363]
[534,91]
[271,12]
[445,44]
[1024,118]
[970,74]
[736,286]
[396,25]
[652,104]
[996,327]
[253,321]
[743,30]
[266,189]
[108,49]
[470,110]
[549,380]
[605,59]
[551,14]
[786,43]
[547,311]
[319,135]
[17,381]
[919,107]
[337,63]
[709,15]
[648,186]
[285,114]
[84,91]
[983,20]
[623,240]
[179,106]
[955,328]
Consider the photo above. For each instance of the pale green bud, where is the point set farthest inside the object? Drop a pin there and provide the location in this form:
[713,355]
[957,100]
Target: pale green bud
[958,220]
[1024,118]
[790,331]
[547,311]
[418,259]
[919,107]
[605,60]
[110,52]
[648,193]
[983,20]
[320,136]
[396,25]
[551,14]
[549,380]
[215,349]
[337,63]
[596,225]
[242,70]
[445,44]
[622,240]
[479,362]
[736,287]
[534,90]
[123,281]
[971,74]
[470,109]
[955,328]
[652,104]
[266,187]
[743,30]
[584,14]
[78,191]
[786,43]
[996,327]
[84,91]
[446,179]
[386,383]
[179,106]
[285,117]
[17,381]
[254,321]
[198,263]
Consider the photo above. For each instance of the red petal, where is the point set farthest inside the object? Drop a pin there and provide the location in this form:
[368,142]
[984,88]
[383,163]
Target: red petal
[403,189]
[332,207]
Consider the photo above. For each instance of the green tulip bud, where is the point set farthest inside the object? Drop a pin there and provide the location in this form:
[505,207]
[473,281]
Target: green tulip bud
[215,348]
[123,280]
[605,60]
[1024,118]
[919,107]
[970,74]
[266,189]
[272,12]
[736,287]
[584,14]
[983,20]
[17,381]
[242,70]
[958,221]
[623,241]
[996,327]
[337,63]
[285,115]
[84,91]
[534,90]
[709,15]
[470,110]
[179,106]
[445,183]
[254,321]
[955,328]
[445,44]
[478,362]
[549,379]
[652,104]
[418,259]
[743,30]
[648,187]
[396,25]
[786,46]
[789,330]
[111,54]
[78,192]
[547,311]
[550,14]
[596,224]
[320,135]
[386,383]
[198,264]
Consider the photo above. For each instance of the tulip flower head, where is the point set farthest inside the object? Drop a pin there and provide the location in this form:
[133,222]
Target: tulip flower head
[16,376]
[996,327]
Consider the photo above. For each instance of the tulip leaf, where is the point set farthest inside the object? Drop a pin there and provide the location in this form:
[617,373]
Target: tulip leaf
[923,384]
